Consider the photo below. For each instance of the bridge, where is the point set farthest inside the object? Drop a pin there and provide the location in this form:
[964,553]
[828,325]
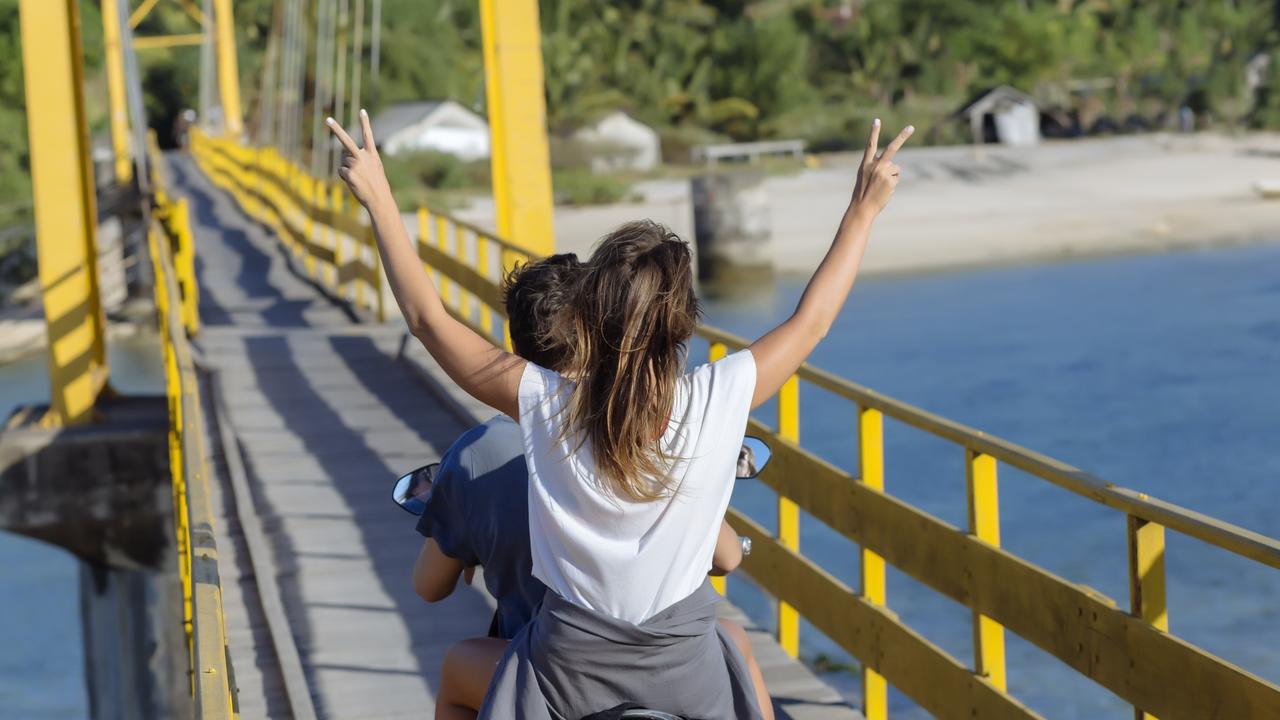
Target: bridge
[293,397]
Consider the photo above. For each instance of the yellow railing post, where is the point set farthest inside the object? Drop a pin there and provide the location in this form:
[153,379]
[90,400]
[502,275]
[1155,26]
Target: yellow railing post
[460,254]
[1146,578]
[789,512]
[339,242]
[716,352]
[984,524]
[875,692]
[442,242]
[482,266]
[424,240]
[515,93]
[65,213]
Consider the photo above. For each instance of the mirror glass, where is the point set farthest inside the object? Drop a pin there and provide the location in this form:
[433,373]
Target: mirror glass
[413,487]
[753,457]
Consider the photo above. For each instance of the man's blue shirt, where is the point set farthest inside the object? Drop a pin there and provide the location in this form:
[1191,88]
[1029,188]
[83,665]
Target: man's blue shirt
[478,513]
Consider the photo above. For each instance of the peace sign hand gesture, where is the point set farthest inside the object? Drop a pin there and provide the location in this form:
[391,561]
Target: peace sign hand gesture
[878,176]
[361,167]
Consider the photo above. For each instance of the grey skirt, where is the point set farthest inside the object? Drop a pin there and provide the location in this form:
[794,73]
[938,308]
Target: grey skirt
[569,662]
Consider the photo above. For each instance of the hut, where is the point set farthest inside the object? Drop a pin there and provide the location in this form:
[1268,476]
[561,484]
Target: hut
[1002,115]
[618,141]
[441,125]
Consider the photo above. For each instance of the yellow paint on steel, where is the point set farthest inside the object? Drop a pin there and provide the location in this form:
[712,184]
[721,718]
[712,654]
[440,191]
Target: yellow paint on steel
[136,18]
[160,42]
[213,694]
[442,242]
[65,211]
[228,67]
[1147,579]
[984,524]
[117,108]
[1232,538]
[926,673]
[788,512]
[875,692]
[194,12]
[1080,627]
[482,266]
[714,352]
[519,155]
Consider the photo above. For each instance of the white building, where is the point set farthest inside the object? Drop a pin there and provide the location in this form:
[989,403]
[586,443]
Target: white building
[1003,115]
[441,125]
[619,142]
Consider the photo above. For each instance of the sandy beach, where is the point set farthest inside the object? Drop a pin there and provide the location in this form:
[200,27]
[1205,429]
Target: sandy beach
[957,207]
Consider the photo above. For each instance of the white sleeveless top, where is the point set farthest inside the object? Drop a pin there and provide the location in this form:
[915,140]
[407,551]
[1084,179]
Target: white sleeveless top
[626,559]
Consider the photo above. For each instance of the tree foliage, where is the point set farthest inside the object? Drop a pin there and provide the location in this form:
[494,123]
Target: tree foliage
[815,69]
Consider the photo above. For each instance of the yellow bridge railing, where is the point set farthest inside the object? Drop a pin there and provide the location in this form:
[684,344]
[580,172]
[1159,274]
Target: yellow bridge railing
[172,251]
[1128,651]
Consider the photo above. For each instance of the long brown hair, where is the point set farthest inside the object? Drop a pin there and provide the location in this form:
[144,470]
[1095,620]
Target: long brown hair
[628,330]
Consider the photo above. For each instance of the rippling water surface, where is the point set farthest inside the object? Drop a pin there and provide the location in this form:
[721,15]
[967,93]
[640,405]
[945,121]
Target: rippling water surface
[1160,373]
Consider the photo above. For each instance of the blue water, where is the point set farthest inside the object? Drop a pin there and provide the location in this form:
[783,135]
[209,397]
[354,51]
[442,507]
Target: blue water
[1160,373]
[41,643]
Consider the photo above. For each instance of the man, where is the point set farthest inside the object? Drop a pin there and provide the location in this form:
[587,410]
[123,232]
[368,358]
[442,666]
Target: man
[477,512]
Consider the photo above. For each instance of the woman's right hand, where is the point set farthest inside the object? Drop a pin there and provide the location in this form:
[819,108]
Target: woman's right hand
[877,176]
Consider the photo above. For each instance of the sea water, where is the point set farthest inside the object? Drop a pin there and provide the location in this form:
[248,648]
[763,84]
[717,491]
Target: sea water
[41,642]
[1159,373]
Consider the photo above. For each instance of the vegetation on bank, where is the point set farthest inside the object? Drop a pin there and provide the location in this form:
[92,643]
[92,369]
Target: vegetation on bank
[709,70]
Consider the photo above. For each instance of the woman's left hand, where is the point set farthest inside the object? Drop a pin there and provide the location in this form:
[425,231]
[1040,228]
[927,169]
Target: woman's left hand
[361,167]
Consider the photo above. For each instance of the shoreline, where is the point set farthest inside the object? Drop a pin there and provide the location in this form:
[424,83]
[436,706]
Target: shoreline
[963,208]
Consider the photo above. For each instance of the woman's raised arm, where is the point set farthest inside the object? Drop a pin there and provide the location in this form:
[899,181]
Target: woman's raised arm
[484,371]
[781,351]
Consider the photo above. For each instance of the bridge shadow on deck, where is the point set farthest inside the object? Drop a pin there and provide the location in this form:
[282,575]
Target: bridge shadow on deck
[326,418]
[245,277]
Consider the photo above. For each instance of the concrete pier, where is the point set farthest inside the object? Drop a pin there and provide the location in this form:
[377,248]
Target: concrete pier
[102,491]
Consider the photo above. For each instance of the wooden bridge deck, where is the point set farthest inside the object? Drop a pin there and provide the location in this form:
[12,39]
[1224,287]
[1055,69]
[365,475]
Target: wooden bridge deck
[313,412]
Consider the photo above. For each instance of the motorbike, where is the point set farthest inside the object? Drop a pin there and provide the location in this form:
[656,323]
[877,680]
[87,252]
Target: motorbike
[412,489]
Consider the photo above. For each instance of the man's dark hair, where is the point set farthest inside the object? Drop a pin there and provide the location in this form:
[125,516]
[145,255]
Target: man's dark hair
[533,294]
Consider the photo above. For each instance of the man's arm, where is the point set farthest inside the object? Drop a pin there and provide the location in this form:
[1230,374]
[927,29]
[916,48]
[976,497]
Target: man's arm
[435,574]
[728,554]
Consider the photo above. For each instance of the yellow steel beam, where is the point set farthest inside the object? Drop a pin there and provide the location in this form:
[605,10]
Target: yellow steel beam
[984,524]
[194,12]
[228,67]
[875,691]
[155,42]
[142,12]
[789,512]
[714,353]
[115,90]
[66,216]
[518,150]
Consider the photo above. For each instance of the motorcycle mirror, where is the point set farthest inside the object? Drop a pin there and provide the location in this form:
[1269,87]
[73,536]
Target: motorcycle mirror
[753,457]
[412,489]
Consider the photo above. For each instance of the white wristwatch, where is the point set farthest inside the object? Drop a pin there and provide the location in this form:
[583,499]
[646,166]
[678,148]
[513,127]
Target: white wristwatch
[746,545]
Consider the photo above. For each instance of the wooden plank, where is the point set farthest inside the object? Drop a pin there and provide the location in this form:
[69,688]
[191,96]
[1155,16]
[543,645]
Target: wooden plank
[1232,538]
[1142,664]
[286,651]
[936,681]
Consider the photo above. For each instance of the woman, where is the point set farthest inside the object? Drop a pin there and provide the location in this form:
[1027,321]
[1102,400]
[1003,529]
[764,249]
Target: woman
[631,459]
